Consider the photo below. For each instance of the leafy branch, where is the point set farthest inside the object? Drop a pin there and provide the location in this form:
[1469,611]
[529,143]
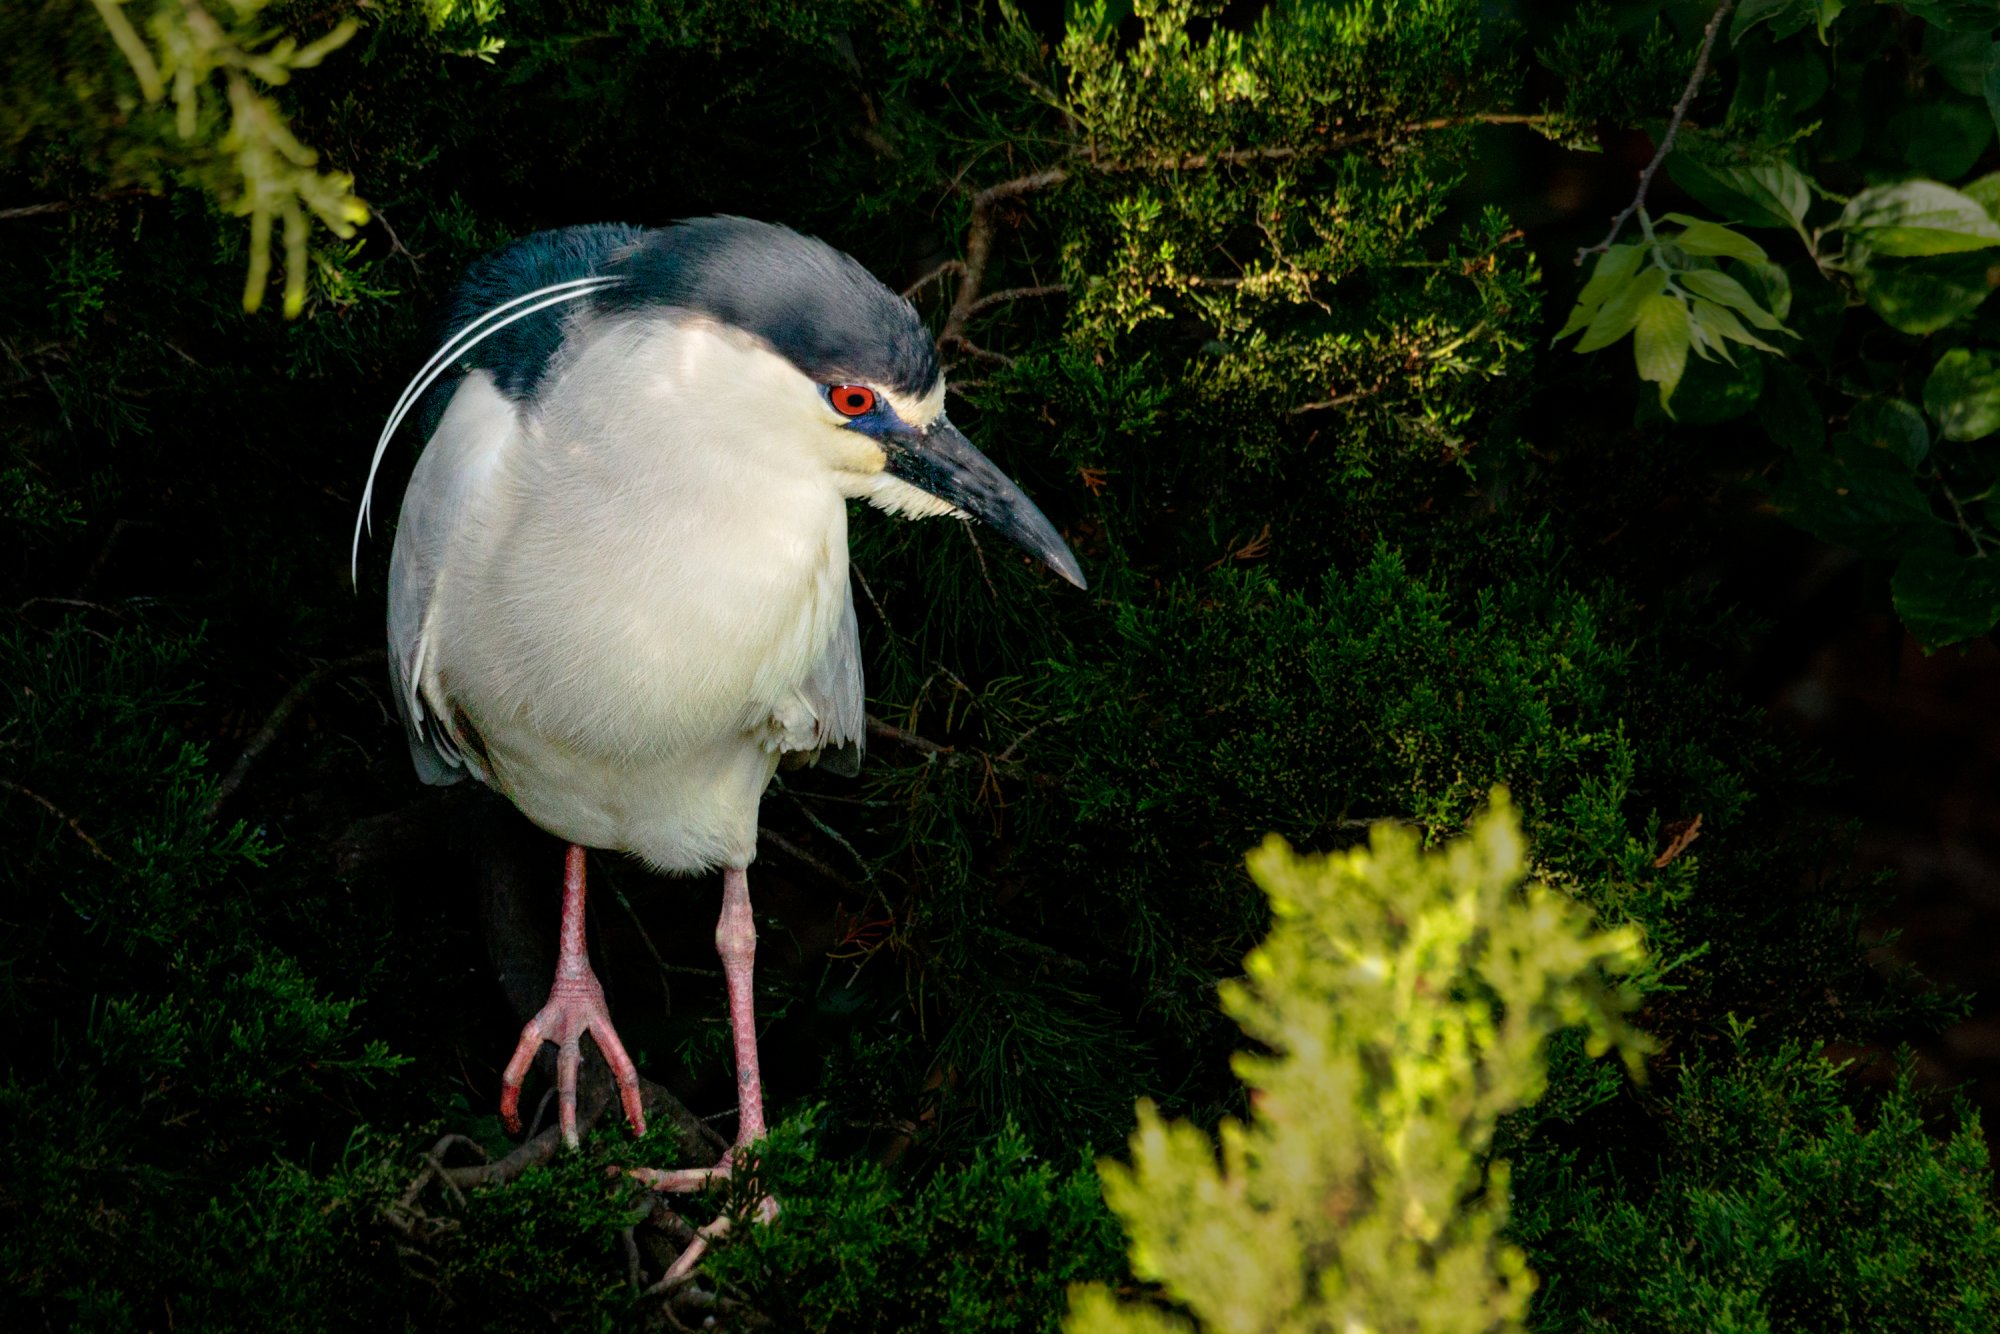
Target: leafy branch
[256,168]
[1638,204]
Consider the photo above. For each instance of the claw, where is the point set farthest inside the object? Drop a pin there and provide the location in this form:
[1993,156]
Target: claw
[575,1006]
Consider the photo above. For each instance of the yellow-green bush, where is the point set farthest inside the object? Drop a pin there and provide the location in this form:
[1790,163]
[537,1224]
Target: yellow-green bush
[1403,1001]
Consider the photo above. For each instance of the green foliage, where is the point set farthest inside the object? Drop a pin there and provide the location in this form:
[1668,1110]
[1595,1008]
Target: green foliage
[234,140]
[989,1245]
[1779,1208]
[1404,1000]
[1875,174]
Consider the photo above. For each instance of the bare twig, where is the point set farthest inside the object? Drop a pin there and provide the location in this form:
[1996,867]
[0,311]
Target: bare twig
[274,723]
[103,558]
[1338,400]
[541,1149]
[1638,204]
[979,242]
[804,858]
[69,205]
[85,603]
[634,1275]
[75,827]
[991,300]
[873,601]
[1958,510]
[973,537]
[948,267]
[964,344]
[889,732]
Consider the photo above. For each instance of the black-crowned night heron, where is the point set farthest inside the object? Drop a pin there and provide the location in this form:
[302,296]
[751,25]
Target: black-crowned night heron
[619,590]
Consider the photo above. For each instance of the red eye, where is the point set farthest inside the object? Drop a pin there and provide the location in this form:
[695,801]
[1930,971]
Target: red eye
[852,400]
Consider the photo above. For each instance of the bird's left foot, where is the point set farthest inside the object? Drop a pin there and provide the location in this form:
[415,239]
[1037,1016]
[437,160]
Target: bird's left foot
[686,1181]
[575,1007]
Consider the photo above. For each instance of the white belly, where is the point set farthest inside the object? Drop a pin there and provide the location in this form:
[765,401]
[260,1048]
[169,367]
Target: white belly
[616,635]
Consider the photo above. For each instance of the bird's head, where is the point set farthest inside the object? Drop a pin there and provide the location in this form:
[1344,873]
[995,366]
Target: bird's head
[841,368]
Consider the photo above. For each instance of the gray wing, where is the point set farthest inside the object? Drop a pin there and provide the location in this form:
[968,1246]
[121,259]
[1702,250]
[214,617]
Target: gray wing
[833,691]
[450,483]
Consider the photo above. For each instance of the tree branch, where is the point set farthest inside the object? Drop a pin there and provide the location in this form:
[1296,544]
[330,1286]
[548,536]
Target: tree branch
[68,205]
[75,827]
[1638,204]
[966,300]
[979,243]
[274,723]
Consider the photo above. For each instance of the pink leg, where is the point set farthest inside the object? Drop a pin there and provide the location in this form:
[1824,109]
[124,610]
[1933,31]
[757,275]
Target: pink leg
[576,1006]
[736,942]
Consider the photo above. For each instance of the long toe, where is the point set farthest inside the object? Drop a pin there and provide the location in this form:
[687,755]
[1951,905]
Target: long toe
[575,1007]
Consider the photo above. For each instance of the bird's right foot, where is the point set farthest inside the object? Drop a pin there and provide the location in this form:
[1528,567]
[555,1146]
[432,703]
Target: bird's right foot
[575,1007]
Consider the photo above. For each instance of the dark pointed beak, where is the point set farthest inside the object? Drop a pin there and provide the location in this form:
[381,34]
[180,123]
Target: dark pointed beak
[942,461]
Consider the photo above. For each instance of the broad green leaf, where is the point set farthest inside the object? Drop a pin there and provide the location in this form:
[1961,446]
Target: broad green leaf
[1963,395]
[1859,498]
[1770,285]
[1923,295]
[1660,343]
[1985,191]
[1712,391]
[1725,290]
[1892,425]
[1944,597]
[1771,193]
[1721,323]
[1957,15]
[1785,16]
[1960,58]
[1788,411]
[1703,340]
[1914,218]
[1700,237]
[1989,85]
[1942,138]
[1612,268]
[1620,311]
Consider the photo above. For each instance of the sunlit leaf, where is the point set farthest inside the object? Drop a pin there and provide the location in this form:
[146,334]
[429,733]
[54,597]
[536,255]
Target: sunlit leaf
[1770,285]
[1963,394]
[1660,340]
[1700,237]
[1724,290]
[1919,218]
[1612,268]
[1620,311]
[1785,16]
[1924,294]
[1721,321]
[1771,193]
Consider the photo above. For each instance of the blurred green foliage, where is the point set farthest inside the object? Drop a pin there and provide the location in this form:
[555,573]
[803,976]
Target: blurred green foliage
[1257,328]
[1405,1001]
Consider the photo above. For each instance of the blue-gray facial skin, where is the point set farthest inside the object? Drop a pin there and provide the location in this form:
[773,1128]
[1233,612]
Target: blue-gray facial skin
[938,459]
